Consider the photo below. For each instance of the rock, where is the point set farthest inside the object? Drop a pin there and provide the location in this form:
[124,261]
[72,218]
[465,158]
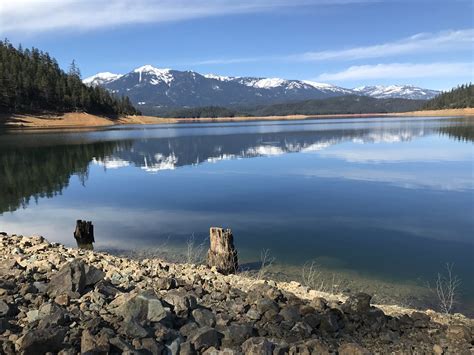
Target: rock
[257,346]
[174,346]
[332,321]
[438,349]
[204,338]
[182,302]
[120,344]
[133,329]
[40,341]
[319,304]
[352,349]
[93,275]
[62,300]
[70,280]
[312,319]
[33,315]
[4,309]
[358,303]
[204,317]
[143,306]
[94,344]
[266,304]
[222,254]
[290,314]
[149,345]
[459,333]
[236,334]
[186,348]
[4,325]
[253,314]
[166,283]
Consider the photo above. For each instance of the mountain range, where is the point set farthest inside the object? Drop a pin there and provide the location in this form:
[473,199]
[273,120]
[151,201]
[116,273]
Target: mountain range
[156,90]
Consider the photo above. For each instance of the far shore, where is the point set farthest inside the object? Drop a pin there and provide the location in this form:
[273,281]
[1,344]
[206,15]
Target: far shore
[85,120]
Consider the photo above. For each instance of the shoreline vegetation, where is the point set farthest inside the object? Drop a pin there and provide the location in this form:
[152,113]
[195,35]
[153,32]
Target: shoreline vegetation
[73,120]
[67,300]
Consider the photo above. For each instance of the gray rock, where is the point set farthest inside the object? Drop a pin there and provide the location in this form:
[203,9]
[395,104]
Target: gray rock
[204,338]
[40,341]
[150,345]
[120,344]
[183,302]
[70,280]
[204,317]
[253,314]
[266,304]
[258,346]
[94,344]
[4,309]
[143,306]
[166,283]
[186,348]
[291,314]
[133,329]
[236,334]
[358,303]
[459,333]
[332,321]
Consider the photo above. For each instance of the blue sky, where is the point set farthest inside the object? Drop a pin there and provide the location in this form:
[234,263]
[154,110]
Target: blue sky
[349,43]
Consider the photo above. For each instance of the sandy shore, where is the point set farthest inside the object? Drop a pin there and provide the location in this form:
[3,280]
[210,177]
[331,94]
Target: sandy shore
[84,120]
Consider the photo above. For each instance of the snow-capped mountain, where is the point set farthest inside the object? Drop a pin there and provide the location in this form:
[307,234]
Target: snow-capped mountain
[101,78]
[396,91]
[155,90]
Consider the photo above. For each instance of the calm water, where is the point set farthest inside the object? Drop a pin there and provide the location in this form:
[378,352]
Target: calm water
[391,199]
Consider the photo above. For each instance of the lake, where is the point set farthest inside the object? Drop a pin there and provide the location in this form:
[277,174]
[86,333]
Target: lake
[379,201]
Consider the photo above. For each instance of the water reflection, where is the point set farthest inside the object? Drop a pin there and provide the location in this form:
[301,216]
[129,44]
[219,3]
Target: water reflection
[387,198]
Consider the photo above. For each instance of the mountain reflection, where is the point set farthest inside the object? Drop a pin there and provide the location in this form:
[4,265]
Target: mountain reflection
[41,165]
[154,155]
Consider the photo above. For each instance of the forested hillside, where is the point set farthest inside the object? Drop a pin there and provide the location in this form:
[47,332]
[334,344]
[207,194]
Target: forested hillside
[460,97]
[351,104]
[32,82]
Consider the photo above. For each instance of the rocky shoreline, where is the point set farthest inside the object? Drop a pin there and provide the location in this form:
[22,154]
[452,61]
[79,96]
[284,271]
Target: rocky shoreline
[55,299]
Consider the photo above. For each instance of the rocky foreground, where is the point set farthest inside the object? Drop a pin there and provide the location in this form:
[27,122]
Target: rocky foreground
[69,301]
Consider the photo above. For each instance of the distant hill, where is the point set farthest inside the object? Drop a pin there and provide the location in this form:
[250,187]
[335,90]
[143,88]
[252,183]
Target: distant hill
[32,82]
[157,91]
[460,97]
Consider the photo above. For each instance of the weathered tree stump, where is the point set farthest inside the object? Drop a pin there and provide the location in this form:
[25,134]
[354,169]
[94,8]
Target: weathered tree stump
[222,253]
[84,235]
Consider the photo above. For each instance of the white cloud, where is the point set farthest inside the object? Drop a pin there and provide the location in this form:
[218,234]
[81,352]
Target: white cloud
[402,70]
[418,43]
[421,42]
[43,15]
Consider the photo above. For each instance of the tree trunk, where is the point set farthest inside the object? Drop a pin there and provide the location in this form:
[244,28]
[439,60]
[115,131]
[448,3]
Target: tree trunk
[222,253]
[84,235]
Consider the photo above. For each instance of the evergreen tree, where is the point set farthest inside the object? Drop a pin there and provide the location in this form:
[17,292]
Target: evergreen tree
[31,82]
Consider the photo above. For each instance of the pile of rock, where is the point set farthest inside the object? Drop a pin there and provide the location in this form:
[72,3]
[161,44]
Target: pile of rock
[68,301]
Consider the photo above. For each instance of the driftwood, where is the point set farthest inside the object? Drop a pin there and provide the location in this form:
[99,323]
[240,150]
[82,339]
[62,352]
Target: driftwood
[84,235]
[222,254]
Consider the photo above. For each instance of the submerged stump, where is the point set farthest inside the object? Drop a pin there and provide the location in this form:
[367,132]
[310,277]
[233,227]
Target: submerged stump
[222,254]
[84,234]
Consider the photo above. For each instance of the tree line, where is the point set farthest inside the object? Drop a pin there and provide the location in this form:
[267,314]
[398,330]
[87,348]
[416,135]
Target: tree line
[31,81]
[459,97]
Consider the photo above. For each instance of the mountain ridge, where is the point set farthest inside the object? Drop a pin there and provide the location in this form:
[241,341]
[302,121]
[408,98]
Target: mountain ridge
[157,90]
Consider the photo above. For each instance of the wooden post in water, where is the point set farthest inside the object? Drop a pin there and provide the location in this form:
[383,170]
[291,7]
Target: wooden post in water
[222,253]
[84,234]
